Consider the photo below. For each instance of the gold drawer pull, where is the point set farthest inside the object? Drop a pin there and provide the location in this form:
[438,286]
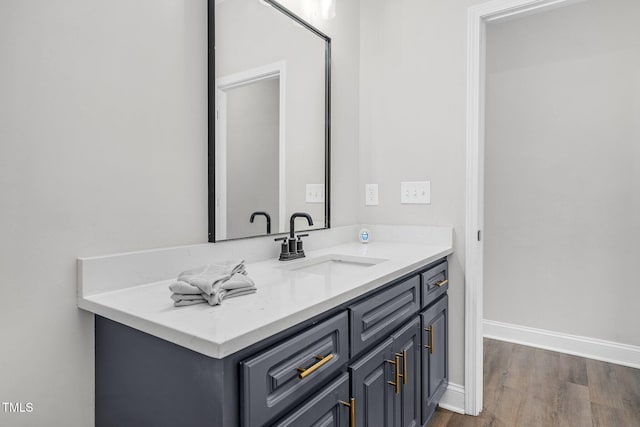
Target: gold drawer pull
[352,411]
[321,361]
[431,330]
[441,283]
[404,366]
[396,362]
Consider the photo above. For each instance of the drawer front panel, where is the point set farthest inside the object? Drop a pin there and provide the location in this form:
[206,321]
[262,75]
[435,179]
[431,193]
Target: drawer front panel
[376,317]
[435,282]
[324,408]
[279,376]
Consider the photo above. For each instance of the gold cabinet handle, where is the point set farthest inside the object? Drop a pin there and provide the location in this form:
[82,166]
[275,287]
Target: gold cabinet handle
[431,341]
[441,282]
[321,361]
[404,367]
[352,410]
[431,331]
[396,362]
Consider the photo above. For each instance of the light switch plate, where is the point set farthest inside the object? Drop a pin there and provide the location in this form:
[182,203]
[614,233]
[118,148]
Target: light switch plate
[371,194]
[415,192]
[315,193]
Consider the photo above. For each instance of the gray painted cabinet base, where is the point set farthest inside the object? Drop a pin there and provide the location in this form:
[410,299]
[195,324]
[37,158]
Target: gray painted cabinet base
[435,355]
[142,380]
[324,409]
[374,396]
[406,342]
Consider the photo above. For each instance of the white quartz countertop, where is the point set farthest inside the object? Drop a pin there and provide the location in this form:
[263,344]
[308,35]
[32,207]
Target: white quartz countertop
[284,299]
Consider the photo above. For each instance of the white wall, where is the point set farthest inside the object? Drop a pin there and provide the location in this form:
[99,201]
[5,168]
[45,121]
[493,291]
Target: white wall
[103,148]
[345,90]
[563,171]
[412,124]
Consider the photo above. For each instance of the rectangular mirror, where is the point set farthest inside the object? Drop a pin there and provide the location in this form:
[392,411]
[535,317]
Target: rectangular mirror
[269,120]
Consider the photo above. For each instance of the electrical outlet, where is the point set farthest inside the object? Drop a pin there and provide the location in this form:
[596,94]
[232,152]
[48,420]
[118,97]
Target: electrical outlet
[415,192]
[371,195]
[314,193]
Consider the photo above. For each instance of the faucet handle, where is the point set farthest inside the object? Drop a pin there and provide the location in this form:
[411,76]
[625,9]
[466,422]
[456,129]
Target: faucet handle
[302,235]
[280,238]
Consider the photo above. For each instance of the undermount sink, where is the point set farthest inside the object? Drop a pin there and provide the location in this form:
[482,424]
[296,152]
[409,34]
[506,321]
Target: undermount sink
[333,264]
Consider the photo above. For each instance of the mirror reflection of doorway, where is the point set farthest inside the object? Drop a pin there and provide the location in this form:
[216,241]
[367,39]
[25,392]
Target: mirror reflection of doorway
[248,145]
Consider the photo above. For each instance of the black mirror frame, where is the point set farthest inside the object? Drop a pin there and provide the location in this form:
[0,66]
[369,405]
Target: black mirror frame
[211,107]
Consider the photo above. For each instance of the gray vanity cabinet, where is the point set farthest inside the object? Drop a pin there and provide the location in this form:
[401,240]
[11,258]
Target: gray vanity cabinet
[435,330]
[385,382]
[378,360]
[370,388]
[324,409]
[406,347]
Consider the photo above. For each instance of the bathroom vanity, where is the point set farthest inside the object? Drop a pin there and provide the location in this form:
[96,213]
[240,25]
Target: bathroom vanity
[351,335]
[346,348]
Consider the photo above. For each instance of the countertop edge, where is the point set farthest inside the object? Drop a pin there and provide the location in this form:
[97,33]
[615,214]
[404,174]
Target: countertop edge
[220,350]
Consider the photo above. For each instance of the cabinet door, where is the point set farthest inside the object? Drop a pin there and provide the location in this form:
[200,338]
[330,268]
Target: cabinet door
[369,386]
[406,345]
[324,408]
[435,331]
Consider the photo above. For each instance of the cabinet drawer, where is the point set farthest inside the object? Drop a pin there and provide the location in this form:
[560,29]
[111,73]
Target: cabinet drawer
[324,408]
[275,378]
[435,282]
[377,316]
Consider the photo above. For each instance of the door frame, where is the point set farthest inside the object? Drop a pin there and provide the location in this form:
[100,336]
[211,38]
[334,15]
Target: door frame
[221,163]
[477,18]
[276,69]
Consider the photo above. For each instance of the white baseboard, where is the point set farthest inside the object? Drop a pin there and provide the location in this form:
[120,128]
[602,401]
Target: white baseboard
[453,398]
[591,348]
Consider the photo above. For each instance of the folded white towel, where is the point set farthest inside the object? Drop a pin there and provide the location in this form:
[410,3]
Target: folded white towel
[207,277]
[238,281]
[186,297]
[216,298]
[184,288]
[185,303]
[211,283]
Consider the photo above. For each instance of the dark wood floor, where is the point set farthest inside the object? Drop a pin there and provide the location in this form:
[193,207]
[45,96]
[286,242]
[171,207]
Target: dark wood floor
[526,386]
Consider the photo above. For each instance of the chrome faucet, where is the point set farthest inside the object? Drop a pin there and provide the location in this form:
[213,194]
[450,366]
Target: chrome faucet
[291,247]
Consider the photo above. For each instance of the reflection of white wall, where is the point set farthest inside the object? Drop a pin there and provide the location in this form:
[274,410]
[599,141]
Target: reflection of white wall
[252,156]
[563,171]
[250,35]
[344,31]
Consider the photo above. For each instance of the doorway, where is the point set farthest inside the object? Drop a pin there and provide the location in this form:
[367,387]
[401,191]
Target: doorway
[250,134]
[575,199]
